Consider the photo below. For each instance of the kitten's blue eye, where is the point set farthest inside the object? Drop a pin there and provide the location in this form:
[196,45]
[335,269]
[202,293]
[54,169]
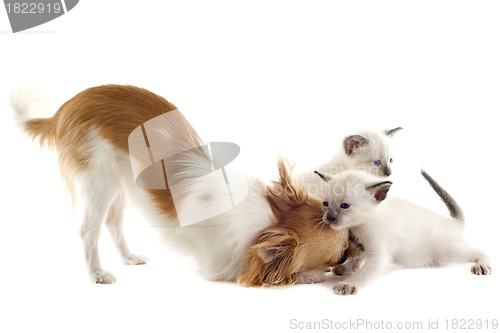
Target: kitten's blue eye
[390,161]
[345,205]
[377,162]
[325,203]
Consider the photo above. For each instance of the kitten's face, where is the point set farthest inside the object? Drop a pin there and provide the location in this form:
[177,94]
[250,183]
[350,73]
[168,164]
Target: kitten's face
[350,195]
[370,151]
[373,161]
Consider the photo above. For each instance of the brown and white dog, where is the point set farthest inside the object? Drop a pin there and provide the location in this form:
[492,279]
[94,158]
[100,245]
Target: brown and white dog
[272,237]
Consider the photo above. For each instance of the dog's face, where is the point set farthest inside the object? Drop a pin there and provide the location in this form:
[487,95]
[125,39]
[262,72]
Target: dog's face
[298,239]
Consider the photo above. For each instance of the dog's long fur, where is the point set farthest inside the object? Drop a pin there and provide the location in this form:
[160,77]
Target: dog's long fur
[90,133]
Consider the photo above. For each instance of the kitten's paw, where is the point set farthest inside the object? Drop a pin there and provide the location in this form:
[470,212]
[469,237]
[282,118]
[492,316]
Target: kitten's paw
[310,276]
[343,270]
[350,266]
[102,277]
[481,269]
[345,289]
[135,260]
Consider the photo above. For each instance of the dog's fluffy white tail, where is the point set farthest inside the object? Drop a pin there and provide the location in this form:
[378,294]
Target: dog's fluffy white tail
[30,101]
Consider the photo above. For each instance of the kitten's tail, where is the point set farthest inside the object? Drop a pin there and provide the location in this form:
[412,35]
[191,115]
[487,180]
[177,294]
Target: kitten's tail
[451,204]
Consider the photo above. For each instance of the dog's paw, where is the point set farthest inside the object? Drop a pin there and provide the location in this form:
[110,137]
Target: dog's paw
[344,289]
[102,277]
[311,276]
[481,269]
[135,260]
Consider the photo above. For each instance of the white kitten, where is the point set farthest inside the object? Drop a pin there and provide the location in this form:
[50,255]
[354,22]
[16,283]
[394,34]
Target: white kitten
[393,229]
[368,150]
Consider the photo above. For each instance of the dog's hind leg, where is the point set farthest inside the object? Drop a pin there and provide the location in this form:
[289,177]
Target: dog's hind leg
[99,186]
[114,222]
[96,196]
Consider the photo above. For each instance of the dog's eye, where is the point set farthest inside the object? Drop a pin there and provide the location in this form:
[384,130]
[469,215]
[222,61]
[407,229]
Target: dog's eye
[390,161]
[325,203]
[377,162]
[345,205]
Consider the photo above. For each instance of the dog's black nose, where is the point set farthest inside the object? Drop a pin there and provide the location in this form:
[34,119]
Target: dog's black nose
[331,218]
[387,172]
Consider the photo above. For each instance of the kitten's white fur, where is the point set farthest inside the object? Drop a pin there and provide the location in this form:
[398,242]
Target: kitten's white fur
[394,230]
[375,146]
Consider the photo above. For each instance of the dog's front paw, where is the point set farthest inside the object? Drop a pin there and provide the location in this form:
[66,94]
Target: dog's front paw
[102,277]
[481,269]
[310,276]
[345,289]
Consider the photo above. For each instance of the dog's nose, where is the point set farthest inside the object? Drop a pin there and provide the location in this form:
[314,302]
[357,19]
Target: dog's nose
[387,171]
[331,218]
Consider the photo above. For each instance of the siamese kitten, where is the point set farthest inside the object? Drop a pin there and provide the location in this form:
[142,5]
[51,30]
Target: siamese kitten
[369,151]
[393,229]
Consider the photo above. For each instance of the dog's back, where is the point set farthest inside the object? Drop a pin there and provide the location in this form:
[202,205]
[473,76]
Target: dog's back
[95,125]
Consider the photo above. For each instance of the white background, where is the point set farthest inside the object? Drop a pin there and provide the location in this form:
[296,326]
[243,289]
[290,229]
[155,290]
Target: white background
[276,77]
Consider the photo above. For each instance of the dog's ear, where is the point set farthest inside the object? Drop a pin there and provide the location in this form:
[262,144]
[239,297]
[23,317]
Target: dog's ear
[272,259]
[379,190]
[393,131]
[353,142]
[288,191]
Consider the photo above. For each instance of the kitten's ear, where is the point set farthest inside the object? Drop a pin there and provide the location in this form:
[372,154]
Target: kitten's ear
[326,177]
[393,131]
[354,142]
[380,190]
